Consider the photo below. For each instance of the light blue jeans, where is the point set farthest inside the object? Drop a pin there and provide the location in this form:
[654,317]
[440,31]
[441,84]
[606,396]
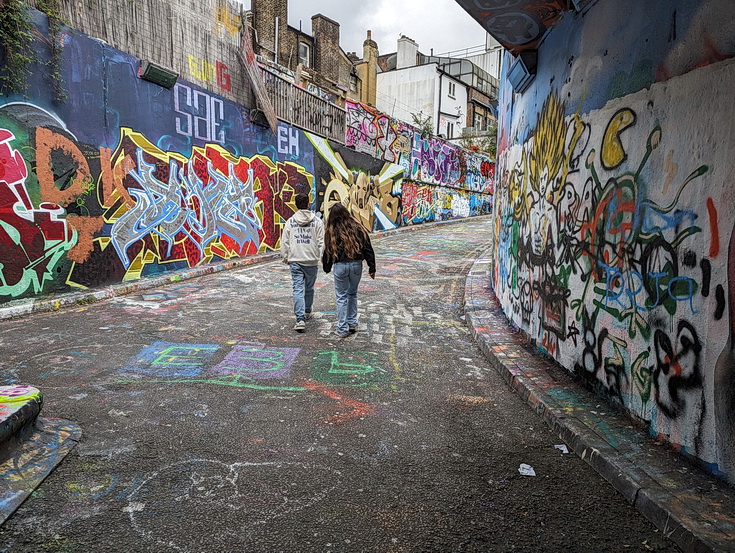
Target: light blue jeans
[303,278]
[347,275]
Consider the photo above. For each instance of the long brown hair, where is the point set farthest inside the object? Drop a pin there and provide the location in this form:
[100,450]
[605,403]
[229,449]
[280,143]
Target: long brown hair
[342,233]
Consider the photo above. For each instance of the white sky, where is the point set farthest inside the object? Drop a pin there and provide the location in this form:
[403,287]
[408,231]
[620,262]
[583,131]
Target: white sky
[440,24]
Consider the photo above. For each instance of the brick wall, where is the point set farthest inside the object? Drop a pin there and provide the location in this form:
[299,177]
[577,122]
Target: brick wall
[265,13]
[327,52]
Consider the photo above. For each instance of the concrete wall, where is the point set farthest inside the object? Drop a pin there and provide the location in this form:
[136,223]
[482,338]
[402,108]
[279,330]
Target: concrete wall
[197,39]
[452,108]
[409,90]
[615,209]
[126,179]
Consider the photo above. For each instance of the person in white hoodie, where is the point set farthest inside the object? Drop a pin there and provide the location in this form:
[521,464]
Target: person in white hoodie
[302,244]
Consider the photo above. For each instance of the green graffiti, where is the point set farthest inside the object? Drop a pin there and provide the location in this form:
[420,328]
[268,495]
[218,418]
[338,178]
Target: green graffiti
[354,369]
[642,376]
[168,357]
[235,381]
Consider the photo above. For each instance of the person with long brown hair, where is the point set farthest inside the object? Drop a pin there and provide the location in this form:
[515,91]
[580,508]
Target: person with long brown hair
[346,246]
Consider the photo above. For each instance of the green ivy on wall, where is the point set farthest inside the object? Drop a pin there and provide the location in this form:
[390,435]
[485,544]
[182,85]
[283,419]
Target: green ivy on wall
[16,39]
[51,9]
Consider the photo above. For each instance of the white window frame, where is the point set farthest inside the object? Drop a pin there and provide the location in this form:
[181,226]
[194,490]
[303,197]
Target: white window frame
[304,60]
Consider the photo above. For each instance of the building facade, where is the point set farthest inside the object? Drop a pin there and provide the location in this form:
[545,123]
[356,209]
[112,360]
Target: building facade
[453,92]
[314,62]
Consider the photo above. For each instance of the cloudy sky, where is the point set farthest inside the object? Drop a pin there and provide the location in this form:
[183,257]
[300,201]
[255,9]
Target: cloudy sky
[441,24]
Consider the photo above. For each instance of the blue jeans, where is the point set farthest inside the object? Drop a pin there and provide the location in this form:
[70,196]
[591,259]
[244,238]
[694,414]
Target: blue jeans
[303,278]
[347,275]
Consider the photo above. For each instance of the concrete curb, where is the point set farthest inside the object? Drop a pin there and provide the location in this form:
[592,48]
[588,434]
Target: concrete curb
[20,406]
[29,461]
[55,302]
[20,308]
[690,506]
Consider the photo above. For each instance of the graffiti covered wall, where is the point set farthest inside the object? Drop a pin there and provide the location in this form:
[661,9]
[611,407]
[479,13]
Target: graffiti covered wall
[126,179]
[615,210]
[397,177]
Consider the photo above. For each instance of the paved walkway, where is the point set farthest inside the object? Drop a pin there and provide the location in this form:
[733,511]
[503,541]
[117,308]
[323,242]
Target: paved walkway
[694,509]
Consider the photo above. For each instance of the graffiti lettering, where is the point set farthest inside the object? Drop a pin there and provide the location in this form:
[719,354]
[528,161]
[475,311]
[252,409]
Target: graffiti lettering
[200,114]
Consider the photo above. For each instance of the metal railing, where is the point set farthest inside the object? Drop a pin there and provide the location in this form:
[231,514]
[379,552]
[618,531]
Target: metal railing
[303,109]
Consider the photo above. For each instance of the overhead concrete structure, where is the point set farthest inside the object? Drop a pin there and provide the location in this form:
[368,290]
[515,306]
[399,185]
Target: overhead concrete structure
[519,24]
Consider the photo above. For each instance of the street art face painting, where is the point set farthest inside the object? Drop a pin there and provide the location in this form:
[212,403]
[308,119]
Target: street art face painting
[606,256]
[368,187]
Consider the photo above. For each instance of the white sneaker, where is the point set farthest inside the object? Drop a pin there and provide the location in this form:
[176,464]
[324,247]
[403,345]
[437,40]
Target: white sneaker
[300,326]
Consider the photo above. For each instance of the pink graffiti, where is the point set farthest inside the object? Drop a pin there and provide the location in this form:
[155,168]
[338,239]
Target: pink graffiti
[25,233]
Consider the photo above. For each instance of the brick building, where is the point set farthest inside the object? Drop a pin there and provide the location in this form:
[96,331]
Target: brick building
[315,62]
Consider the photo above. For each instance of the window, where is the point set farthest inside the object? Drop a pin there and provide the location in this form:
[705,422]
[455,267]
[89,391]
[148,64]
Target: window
[353,83]
[452,89]
[304,54]
[478,121]
[450,130]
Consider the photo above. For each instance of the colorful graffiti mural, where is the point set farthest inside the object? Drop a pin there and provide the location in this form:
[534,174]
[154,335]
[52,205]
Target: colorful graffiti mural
[374,133]
[609,257]
[127,179]
[436,161]
[379,195]
[423,203]
[369,187]
[135,210]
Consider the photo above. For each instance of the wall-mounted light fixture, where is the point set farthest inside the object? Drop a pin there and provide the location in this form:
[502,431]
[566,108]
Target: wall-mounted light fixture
[523,70]
[157,74]
[257,117]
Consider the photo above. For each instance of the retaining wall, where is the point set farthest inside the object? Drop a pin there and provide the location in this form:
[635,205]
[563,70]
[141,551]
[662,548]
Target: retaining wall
[126,179]
[615,209]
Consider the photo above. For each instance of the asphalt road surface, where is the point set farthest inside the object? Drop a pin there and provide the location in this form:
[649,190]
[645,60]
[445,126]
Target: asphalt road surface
[209,425]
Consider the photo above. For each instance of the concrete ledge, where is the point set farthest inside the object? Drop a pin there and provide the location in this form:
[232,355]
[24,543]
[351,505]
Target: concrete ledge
[20,405]
[32,459]
[693,508]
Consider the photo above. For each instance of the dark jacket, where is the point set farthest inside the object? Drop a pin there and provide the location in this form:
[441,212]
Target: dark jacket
[366,253]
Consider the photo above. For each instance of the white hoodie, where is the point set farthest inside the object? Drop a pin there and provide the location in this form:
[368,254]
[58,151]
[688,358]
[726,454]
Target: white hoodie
[302,240]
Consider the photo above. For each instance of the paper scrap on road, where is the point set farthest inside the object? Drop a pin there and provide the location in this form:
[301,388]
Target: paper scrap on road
[562,448]
[526,470]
